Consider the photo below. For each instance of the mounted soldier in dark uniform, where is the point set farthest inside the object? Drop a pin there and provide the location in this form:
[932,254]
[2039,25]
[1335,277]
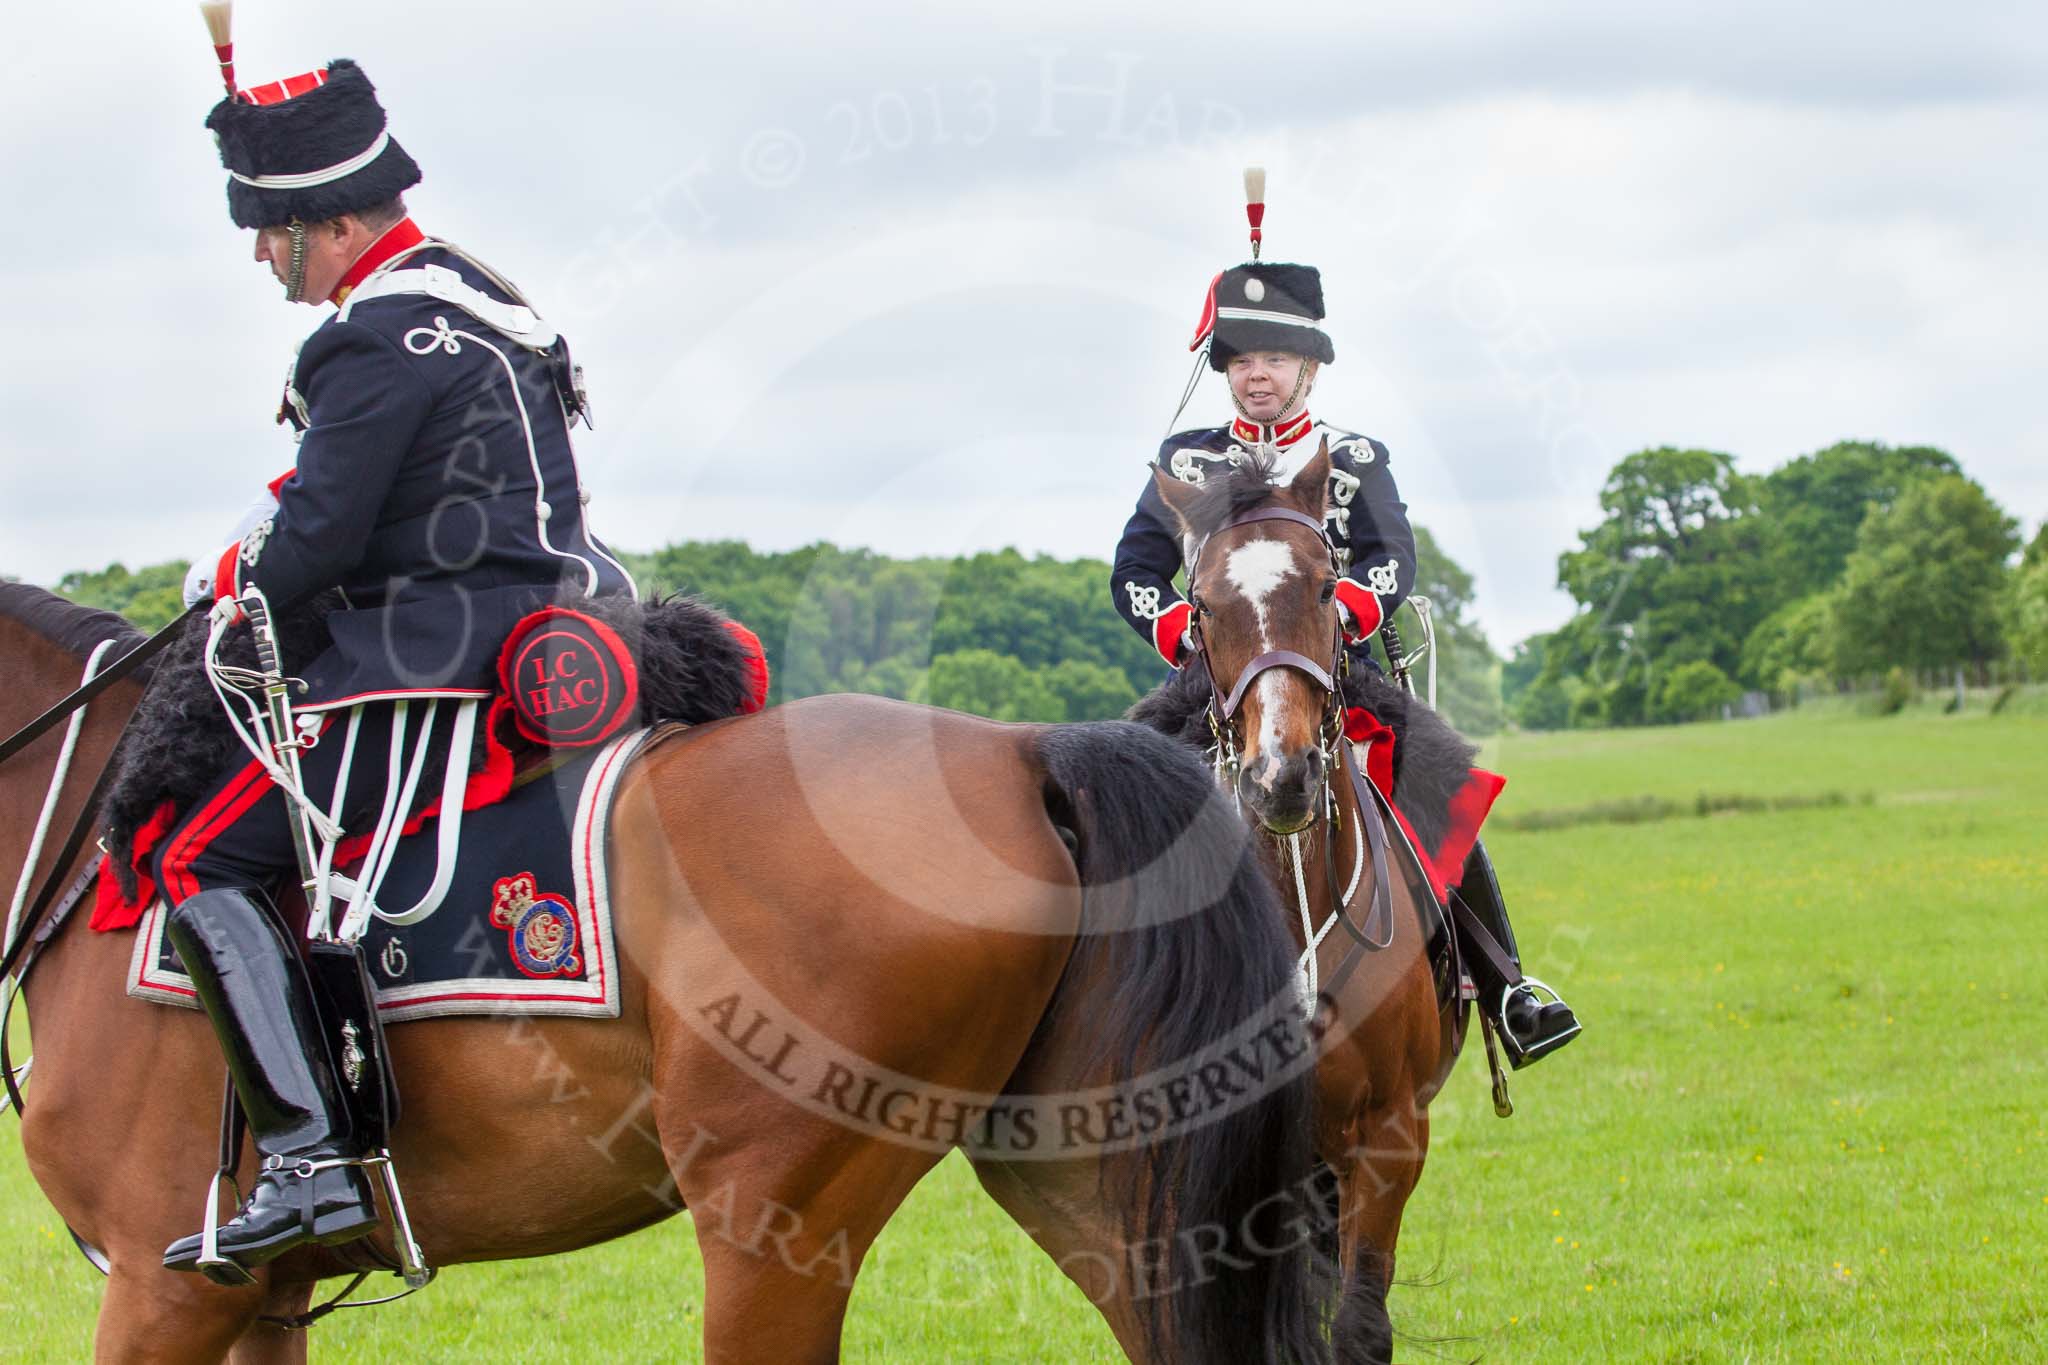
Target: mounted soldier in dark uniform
[436,487]
[1262,325]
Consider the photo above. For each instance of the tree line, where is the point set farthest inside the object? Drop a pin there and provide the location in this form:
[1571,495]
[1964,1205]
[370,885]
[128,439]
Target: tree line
[1836,568]
[998,634]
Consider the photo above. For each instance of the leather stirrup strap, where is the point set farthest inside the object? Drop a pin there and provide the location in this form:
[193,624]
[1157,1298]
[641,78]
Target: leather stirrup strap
[1480,940]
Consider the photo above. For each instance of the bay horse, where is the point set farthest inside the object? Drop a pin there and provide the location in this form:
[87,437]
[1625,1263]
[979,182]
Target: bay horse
[1261,577]
[855,935]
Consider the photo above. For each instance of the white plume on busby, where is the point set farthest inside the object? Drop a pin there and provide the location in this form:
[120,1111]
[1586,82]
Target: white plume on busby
[1259,306]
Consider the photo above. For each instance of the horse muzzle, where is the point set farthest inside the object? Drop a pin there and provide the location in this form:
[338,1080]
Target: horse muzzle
[1281,789]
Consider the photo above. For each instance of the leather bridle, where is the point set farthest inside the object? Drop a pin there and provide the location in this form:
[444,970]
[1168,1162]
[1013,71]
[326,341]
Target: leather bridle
[1378,931]
[1223,709]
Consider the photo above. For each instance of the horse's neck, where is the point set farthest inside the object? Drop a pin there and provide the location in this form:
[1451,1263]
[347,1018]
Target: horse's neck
[40,674]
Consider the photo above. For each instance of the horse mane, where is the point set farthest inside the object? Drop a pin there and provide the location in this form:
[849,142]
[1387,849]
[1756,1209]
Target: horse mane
[74,629]
[1222,498]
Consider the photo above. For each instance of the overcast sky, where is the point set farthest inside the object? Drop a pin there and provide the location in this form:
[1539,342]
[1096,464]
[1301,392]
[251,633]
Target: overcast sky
[921,277]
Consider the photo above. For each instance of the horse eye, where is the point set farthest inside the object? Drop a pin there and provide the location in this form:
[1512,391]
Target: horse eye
[1329,591]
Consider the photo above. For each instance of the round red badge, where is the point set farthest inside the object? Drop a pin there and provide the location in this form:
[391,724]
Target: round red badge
[569,677]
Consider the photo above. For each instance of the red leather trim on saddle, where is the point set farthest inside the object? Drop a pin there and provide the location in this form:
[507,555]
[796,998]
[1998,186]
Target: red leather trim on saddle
[1470,805]
[1469,809]
[571,679]
[109,910]
[757,667]
[484,788]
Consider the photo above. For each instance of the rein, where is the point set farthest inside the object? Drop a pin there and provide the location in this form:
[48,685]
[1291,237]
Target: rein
[1378,931]
[32,933]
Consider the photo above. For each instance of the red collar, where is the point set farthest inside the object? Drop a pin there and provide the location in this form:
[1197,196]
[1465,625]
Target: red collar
[402,235]
[1282,434]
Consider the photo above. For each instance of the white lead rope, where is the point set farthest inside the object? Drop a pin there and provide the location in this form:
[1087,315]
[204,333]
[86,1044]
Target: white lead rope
[50,800]
[12,985]
[1312,936]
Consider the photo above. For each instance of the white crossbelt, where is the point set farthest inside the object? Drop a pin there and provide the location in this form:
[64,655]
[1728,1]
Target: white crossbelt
[514,321]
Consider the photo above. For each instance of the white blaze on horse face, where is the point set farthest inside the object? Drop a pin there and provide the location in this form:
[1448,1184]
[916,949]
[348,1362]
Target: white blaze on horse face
[1255,569]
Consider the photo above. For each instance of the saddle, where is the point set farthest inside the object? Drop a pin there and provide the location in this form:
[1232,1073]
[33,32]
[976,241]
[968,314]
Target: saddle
[693,665]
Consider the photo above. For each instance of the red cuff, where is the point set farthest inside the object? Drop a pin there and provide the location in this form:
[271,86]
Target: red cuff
[1364,606]
[1167,628]
[275,484]
[227,574]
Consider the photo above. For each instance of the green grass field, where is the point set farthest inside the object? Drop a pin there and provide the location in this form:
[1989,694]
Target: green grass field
[1808,1120]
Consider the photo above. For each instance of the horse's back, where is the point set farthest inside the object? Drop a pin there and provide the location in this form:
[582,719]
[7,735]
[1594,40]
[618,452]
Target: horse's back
[873,871]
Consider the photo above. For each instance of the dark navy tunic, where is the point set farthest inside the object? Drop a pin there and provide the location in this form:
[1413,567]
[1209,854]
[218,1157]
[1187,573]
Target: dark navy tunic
[1368,525]
[436,485]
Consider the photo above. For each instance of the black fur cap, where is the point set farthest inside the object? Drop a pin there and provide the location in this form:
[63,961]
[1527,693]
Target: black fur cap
[323,127]
[1296,290]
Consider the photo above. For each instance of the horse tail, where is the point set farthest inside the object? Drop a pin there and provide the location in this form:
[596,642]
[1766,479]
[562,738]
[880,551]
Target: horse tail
[1183,974]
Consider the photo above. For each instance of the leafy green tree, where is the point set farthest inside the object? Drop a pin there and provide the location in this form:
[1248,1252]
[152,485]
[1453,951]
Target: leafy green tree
[1695,690]
[2027,612]
[1926,582]
[1669,576]
[1523,668]
[1813,505]
[1545,704]
[1089,690]
[151,597]
[994,685]
[1789,645]
[1468,671]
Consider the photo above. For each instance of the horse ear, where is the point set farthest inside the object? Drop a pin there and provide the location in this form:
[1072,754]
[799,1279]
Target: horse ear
[1178,495]
[1311,487]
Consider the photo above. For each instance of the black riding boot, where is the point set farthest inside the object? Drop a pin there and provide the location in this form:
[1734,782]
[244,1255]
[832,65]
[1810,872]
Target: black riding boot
[254,987]
[1530,1028]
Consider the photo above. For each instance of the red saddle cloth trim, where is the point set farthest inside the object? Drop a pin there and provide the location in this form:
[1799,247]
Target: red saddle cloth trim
[1470,804]
[110,911]
[571,679]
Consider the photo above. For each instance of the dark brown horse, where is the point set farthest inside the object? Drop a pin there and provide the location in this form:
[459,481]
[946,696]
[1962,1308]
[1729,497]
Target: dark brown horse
[855,934]
[1262,580]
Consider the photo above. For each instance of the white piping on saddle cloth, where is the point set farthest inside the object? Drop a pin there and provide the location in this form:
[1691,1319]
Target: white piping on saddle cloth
[401,786]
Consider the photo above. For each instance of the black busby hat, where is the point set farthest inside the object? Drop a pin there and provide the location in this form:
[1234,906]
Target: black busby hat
[1259,307]
[312,147]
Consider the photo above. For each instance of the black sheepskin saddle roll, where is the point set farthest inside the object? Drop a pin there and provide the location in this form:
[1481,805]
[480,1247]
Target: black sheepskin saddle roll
[1432,762]
[692,668]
